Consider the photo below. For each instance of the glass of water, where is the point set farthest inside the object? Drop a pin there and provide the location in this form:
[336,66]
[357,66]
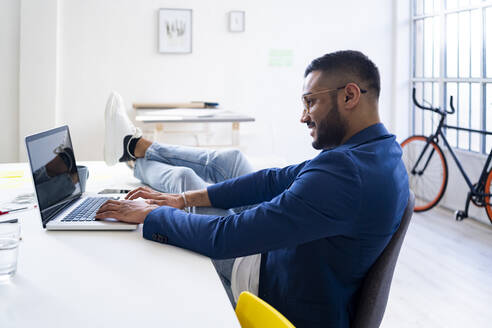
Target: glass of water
[9,242]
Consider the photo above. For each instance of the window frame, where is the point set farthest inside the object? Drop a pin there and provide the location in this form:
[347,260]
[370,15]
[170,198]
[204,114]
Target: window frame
[443,80]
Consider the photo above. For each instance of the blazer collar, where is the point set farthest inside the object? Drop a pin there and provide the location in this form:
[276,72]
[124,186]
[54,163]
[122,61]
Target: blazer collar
[375,131]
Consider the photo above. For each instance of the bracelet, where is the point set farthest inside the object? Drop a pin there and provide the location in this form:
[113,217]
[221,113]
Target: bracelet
[185,202]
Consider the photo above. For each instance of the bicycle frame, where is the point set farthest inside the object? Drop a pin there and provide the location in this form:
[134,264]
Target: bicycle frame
[475,189]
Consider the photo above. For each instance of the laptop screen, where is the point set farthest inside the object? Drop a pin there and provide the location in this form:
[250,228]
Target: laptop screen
[53,169]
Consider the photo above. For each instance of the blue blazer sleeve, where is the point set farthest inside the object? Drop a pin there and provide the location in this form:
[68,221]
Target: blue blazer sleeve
[318,204]
[253,188]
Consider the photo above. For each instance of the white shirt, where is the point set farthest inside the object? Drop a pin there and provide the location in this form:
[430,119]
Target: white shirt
[245,275]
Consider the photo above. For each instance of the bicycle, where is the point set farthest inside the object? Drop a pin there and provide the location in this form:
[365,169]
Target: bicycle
[427,167]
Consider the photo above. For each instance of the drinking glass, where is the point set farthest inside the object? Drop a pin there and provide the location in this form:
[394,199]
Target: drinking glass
[9,242]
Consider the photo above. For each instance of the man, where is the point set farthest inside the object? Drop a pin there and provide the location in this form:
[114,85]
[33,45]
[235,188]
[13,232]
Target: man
[318,225]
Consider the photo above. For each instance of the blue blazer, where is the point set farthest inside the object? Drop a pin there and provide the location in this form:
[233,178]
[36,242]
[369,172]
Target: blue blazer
[319,225]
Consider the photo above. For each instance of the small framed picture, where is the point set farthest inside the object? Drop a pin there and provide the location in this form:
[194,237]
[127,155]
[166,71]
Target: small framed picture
[236,21]
[175,27]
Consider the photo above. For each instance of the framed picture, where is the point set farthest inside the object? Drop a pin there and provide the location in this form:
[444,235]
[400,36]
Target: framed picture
[236,21]
[175,31]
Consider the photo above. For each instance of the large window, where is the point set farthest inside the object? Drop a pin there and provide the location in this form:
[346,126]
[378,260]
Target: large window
[452,55]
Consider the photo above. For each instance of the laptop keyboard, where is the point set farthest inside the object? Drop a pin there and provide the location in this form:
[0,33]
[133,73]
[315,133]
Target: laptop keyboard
[86,210]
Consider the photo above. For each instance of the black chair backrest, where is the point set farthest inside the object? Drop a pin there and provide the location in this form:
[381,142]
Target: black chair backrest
[374,292]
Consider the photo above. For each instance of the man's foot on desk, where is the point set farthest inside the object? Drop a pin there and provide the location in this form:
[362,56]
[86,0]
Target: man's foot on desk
[121,136]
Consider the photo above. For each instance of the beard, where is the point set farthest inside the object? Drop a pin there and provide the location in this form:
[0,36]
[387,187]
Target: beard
[331,131]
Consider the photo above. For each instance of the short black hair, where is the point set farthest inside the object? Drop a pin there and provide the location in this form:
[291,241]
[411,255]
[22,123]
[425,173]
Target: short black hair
[352,63]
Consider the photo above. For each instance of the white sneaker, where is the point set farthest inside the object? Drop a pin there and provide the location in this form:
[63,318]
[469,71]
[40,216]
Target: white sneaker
[117,125]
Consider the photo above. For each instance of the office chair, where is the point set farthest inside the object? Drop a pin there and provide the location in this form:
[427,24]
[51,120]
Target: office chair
[253,312]
[374,292]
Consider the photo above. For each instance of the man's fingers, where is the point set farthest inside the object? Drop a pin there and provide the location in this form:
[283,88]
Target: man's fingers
[125,211]
[140,193]
[145,194]
[108,214]
[113,201]
[133,195]
[110,204]
[108,207]
[132,192]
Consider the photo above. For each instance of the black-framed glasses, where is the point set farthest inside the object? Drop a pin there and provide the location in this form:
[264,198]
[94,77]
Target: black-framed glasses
[306,98]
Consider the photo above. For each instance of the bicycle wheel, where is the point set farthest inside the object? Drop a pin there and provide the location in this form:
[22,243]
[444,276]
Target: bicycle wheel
[488,208]
[429,178]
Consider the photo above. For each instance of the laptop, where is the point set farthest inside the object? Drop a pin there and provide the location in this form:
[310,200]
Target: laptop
[61,203]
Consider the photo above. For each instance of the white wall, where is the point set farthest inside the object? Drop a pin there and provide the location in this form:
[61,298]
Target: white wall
[38,68]
[400,113]
[9,79]
[111,45]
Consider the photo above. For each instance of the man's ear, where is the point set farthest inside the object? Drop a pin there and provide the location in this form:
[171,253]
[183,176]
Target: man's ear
[352,95]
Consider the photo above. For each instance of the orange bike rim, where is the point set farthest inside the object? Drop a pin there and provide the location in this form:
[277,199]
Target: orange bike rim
[487,198]
[443,185]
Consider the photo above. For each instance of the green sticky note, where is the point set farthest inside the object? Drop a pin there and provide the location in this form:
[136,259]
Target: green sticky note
[280,57]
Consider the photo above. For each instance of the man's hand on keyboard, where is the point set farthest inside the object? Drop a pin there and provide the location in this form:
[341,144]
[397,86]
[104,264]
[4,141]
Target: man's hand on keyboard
[125,210]
[157,198]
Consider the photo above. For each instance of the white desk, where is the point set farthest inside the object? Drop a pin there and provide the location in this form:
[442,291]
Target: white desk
[105,279]
[154,116]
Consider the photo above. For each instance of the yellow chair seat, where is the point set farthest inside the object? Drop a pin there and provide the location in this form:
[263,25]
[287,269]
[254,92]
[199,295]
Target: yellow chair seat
[253,312]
